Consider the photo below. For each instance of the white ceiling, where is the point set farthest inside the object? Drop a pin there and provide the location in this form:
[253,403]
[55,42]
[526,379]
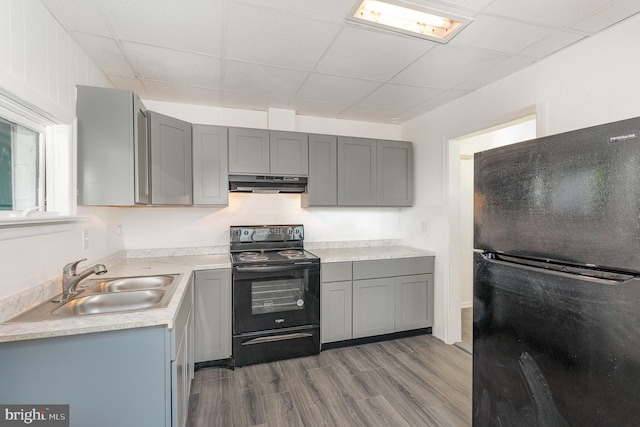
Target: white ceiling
[302,54]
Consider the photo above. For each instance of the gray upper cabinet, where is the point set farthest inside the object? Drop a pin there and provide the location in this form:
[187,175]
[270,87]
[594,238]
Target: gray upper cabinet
[357,163]
[395,173]
[113,147]
[322,189]
[289,153]
[171,160]
[264,152]
[248,151]
[210,170]
[374,172]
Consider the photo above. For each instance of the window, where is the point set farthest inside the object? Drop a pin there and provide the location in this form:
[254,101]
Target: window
[21,167]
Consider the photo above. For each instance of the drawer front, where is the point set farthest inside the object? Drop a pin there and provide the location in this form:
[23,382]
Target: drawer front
[392,267]
[335,272]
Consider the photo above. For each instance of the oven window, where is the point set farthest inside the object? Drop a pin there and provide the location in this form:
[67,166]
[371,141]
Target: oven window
[270,296]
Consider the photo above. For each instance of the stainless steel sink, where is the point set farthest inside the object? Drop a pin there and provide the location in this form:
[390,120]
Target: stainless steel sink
[103,296]
[110,303]
[133,283]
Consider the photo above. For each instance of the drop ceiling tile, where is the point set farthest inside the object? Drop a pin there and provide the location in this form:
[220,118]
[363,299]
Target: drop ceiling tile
[369,114]
[129,83]
[398,97]
[251,101]
[190,25]
[371,55]
[498,34]
[469,4]
[161,91]
[340,90]
[551,44]
[318,109]
[608,16]
[323,10]
[262,79]
[78,15]
[167,65]
[267,37]
[439,100]
[550,13]
[105,53]
[445,67]
[496,72]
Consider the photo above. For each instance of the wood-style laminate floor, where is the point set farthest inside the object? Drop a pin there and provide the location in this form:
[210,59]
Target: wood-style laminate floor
[416,381]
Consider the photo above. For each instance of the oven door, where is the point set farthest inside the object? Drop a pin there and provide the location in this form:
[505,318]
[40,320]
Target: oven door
[275,296]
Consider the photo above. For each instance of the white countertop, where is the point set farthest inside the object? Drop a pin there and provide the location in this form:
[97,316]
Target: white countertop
[183,265]
[368,253]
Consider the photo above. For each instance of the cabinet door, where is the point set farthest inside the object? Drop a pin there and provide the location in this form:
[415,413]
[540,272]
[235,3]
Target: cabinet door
[107,171]
[289,153]
[395,173]
[357,182]
[210,171]
[336,311]
[212,315]
[141,149]
[178,374]
[322,189]
[414,298]
[171,160]
[248,151]
[373,307]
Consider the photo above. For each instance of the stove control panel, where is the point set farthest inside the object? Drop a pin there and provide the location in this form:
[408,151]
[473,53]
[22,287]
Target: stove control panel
[266,233]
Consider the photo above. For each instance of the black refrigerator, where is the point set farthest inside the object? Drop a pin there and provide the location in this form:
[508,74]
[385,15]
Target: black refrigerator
[556,329]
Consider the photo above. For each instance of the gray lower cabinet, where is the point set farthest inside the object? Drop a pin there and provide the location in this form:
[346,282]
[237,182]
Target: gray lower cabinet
[260,151]
[368,298]
[373,307]
[210,170]
[374,172]
[336,302]
[171,160]
[113,147]
[129,377]
[212,315]
[411,293]
[322,188]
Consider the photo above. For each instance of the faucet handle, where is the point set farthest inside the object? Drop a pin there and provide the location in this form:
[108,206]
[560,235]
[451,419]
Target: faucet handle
[70,269]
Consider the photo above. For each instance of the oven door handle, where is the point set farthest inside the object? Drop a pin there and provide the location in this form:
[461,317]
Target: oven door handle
[265,268]
[276,338]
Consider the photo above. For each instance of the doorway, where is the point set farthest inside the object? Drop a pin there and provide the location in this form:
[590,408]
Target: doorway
[461,259]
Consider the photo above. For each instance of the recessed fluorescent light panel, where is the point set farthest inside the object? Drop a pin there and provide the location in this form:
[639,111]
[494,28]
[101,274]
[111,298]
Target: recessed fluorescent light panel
[409,19]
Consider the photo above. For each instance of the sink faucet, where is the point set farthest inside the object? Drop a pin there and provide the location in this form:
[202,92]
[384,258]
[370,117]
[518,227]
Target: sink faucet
[70,279]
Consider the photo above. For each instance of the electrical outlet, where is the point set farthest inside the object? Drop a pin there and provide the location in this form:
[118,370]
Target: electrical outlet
[85,239]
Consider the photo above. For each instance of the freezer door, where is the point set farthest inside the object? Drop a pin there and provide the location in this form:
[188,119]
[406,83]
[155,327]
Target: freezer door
[554,349]
[572,197]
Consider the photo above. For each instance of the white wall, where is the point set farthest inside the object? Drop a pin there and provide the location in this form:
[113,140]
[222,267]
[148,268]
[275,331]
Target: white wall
[40,65]
[590,83]
[510,134]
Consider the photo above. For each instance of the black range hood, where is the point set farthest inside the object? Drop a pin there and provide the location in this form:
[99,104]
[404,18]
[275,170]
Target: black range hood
[267,184]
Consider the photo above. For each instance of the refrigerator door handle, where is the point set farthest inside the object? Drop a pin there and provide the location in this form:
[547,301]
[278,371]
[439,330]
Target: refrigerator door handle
[592,275]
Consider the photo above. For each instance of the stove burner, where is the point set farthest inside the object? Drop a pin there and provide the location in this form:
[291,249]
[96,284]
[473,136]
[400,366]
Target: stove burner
[252,256]
[293,254]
